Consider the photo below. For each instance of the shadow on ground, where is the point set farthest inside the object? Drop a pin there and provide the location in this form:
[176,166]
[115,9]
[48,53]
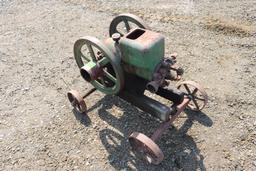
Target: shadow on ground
[82,118]
[180,149]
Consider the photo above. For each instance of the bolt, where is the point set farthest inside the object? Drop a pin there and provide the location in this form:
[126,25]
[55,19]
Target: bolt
[116,37]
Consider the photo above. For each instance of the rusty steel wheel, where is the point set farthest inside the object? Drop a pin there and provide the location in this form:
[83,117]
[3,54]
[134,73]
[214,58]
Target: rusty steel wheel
[123,23]
[77,101]
[196,93]
[145,148]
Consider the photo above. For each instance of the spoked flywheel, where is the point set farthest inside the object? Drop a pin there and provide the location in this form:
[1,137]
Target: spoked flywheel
[91,52]
[196,93]
[123,23]
[145,148]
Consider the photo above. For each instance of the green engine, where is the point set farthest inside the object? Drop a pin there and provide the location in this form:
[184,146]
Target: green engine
[130,61]
[134,51]
[142,50]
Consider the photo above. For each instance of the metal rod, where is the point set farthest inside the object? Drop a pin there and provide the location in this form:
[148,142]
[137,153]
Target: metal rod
[165,125]
[89,92]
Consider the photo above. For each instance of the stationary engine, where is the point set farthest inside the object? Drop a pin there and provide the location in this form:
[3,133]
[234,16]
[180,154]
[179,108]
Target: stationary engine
[128,62]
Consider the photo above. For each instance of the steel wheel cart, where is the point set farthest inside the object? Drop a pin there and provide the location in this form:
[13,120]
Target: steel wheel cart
[127,64]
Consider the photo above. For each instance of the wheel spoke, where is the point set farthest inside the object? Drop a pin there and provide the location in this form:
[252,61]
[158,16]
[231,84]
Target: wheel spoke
[127,26]
[108,75]
[91,52]
[102,81]
[195,91]
[84,57]
[104,61]
[196,94]
[198,98]
[195,102]
[186,87]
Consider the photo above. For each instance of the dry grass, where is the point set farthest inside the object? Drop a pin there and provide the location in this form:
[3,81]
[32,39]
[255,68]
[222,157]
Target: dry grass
[229,26]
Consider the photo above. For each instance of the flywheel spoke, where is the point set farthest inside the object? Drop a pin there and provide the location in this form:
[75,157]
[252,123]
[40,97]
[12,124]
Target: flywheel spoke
[108,75]
[102,81]
[97,54]
[84,57]
[104,61]
[91,52]
[127,26]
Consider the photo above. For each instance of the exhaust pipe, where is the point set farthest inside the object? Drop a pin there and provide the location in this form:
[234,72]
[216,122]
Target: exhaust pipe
[153,86]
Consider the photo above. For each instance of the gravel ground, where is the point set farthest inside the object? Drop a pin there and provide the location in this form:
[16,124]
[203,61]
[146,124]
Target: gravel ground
[216,44]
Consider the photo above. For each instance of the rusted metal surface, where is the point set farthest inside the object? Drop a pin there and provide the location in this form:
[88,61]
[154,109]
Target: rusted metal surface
[196,93]
[163,72]
[116,37]
[153,86]
[147,104]
[145,148]
[165,125]
[142,50]
[77,101]
[91,71]
[172,94]
[148,38]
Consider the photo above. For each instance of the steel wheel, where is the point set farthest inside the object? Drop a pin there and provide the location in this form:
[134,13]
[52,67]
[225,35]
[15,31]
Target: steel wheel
[129,22]
[77,101]
[145,148]
[88,49]
[196,93]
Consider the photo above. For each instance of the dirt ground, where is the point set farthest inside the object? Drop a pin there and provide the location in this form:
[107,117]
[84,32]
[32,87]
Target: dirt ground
[216,44]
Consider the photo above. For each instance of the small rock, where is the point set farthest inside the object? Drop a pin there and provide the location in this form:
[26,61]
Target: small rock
[187,151]
[111,159]
[26,89]
[254,163]
[122,163]
[243,137]
[241,117]
[1,136]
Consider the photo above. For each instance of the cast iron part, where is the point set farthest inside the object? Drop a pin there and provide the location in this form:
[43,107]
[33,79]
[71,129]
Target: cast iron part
[127,64]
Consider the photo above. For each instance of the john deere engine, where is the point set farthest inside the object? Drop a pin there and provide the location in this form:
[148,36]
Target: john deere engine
[127,63]
[142,53]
